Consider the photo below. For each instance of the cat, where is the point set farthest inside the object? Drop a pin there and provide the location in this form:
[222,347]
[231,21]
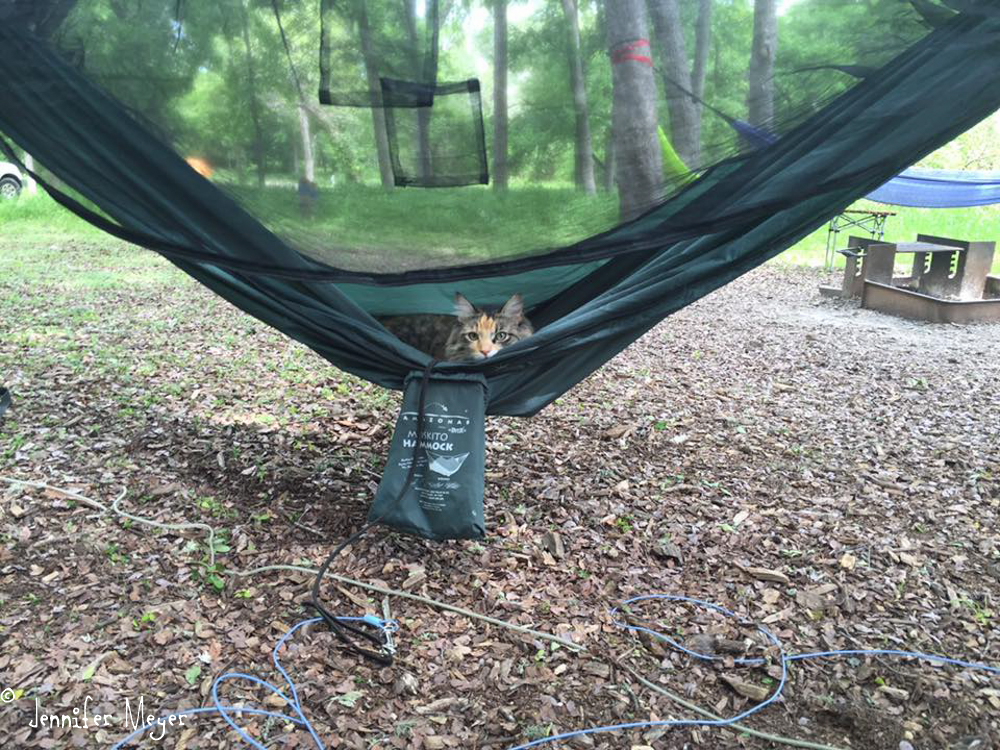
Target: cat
[471,334]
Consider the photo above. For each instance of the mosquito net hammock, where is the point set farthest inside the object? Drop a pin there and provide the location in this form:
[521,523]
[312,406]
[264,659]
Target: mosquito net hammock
[323,163]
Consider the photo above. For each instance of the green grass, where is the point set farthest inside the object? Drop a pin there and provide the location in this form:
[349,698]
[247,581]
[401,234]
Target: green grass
[38,218]
[365,223]
[71,263]
[456,224]
[977,223]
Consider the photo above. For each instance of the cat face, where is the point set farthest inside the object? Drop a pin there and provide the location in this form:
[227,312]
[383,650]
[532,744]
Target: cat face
[479,333]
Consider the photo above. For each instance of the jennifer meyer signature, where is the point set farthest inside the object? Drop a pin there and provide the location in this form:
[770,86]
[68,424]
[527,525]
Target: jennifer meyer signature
[85,717]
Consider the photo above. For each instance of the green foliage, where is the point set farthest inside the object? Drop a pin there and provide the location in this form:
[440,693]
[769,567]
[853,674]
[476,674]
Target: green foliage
[192,674]
[39,218]
[219,84]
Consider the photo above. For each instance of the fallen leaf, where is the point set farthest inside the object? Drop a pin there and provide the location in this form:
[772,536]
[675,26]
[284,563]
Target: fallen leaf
[766,574]
[746,689]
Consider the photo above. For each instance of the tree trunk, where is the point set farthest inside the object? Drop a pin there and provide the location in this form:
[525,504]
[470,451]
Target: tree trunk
[609,161]
[702,43]
[584,172]
[681,109]
[29,182]
[760,75]
[699,70]
[500,124]
[423,114]
[258,133]
[375,90]
[308,159]
[639,163]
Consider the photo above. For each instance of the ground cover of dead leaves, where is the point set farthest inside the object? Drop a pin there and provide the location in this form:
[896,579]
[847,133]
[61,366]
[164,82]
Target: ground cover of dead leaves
[827,472]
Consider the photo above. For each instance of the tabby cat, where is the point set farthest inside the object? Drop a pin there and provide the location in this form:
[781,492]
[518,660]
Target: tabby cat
[473,333]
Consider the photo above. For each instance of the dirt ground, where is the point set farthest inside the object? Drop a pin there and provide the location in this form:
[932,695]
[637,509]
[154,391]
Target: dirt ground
[829,473]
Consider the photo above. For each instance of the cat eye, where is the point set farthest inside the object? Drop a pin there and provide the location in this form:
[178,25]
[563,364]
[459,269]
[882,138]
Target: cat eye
[501,337]
[471,336]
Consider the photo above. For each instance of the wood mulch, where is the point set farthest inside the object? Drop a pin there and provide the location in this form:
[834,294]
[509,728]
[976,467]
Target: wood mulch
[829,473]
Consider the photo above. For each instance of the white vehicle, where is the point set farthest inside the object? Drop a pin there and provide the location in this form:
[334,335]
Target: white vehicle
[10,180]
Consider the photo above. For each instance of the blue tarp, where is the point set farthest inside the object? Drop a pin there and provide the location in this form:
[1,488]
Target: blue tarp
[916,187]
[939,188]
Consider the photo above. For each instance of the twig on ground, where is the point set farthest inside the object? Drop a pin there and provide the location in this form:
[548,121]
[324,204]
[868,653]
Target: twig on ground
[243,573]
[115,509]
[68,493]
[414,597]
[790,741]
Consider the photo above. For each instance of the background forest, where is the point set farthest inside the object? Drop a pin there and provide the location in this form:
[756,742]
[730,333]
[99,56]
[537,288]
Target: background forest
[233,86]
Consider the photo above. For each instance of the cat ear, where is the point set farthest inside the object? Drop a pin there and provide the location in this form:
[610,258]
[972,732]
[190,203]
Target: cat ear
[464,308]
[513,308]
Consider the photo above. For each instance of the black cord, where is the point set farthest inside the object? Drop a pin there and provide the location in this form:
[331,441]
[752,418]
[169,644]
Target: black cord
[340,628]
[5,401]
[288,51]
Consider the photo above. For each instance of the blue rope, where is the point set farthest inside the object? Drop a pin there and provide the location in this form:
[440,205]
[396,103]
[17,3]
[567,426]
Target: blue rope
[390,626]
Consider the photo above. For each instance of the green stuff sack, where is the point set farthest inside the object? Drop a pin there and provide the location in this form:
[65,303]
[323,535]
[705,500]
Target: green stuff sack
[674,168]
[444,497]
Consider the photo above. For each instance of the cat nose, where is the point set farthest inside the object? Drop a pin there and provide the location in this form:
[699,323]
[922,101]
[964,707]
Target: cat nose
[491,352]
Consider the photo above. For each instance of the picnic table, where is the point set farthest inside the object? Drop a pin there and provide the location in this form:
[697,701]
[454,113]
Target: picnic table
[942,267]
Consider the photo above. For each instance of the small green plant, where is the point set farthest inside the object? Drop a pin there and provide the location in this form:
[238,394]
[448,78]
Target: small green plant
[219,545]
[624,523]
[213,578]
[404,729]
[15,445]
[537,731]
[211,573]
[114,556]
[210,504]
[980,613]
[147,619]
[244,594]
[350,698]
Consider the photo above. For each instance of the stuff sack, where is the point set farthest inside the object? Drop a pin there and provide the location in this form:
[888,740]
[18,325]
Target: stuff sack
[443,499]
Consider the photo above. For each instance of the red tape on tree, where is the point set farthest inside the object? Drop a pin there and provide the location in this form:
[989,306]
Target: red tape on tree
[626,51]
